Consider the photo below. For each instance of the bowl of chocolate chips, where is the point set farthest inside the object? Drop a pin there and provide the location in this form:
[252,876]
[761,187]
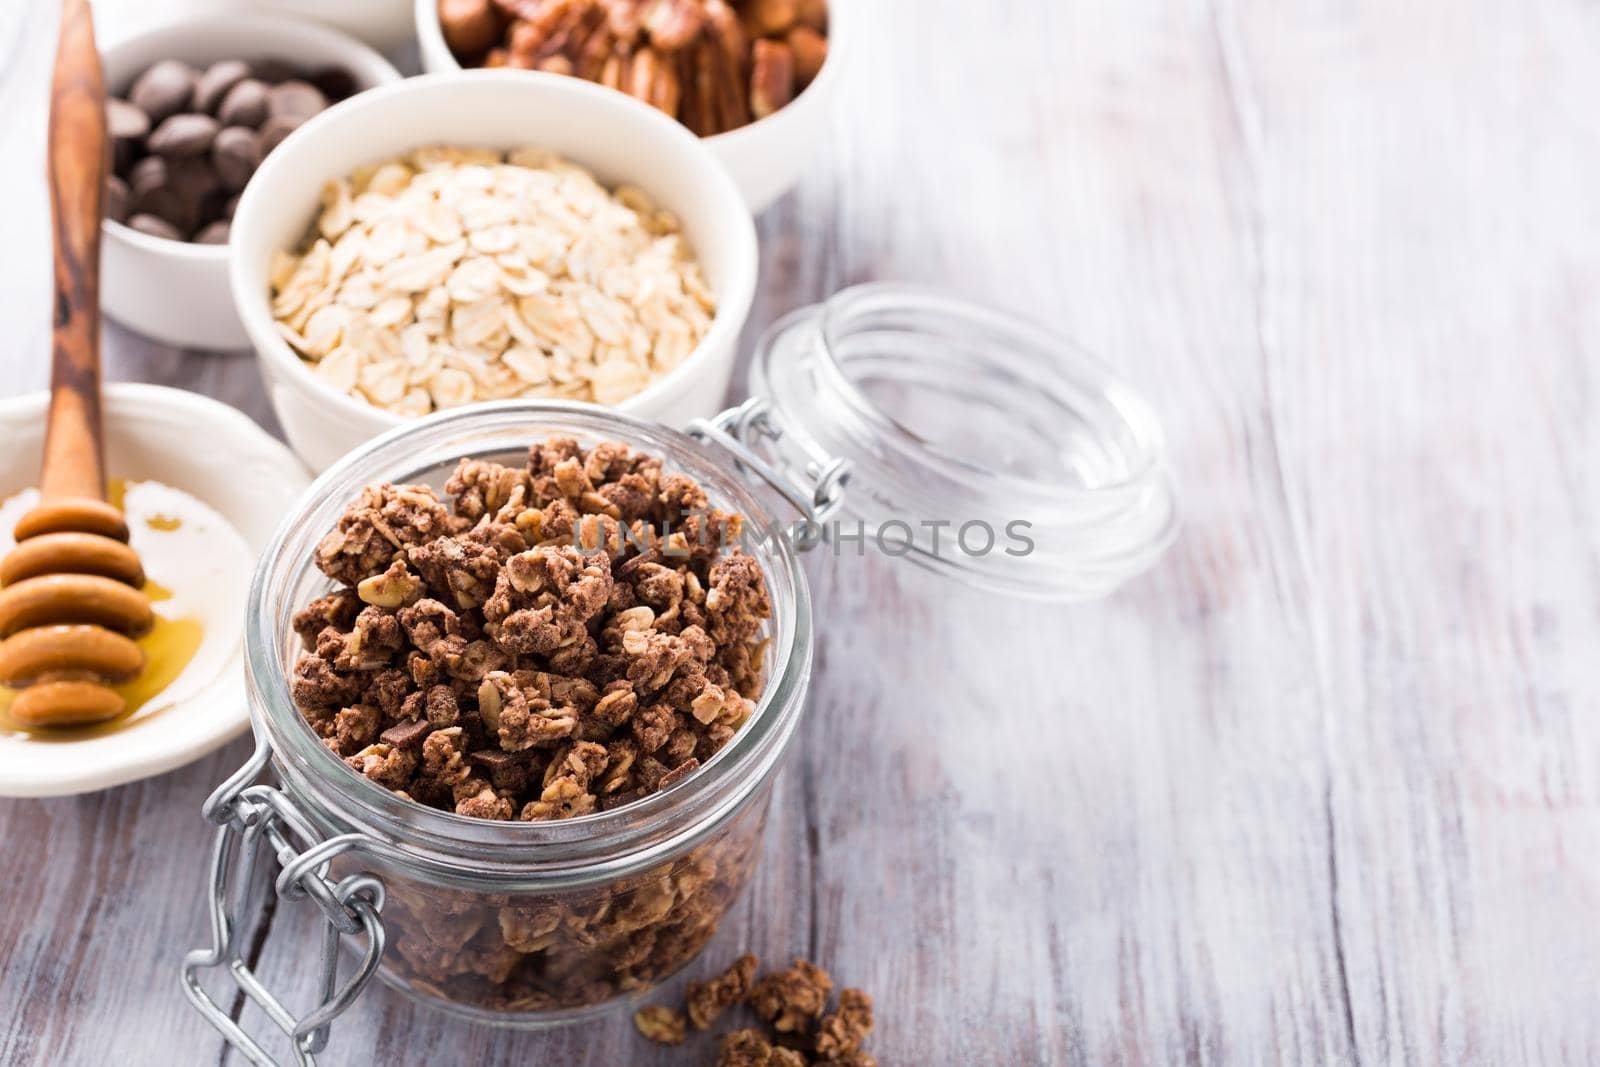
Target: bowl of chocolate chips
[192,108]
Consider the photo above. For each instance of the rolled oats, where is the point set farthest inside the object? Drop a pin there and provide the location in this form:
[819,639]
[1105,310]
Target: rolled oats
[456,275]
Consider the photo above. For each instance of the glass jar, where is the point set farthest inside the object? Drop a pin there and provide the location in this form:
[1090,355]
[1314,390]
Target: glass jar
[532,924]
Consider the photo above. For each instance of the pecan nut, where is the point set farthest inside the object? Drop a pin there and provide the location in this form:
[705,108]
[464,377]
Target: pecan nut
[714,65]
[672,24]
[471,27]
[771,77]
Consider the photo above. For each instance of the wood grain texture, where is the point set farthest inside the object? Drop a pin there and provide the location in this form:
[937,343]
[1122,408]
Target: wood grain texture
[74,447]
[1323,787]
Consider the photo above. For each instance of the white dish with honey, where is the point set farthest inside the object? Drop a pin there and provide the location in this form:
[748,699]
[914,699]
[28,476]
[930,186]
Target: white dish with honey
[202,487]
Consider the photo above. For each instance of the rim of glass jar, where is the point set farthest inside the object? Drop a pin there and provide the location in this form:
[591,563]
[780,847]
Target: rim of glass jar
[1102,531]
[597,847]
[840,314]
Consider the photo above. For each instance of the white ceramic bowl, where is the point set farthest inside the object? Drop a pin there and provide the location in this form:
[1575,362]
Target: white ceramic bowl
[616,137]
[174,291]
[767,157]
[383,24]
[242,473]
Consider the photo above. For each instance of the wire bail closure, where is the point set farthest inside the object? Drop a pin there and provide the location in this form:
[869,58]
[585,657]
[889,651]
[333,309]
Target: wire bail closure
[737,430]
[248,815]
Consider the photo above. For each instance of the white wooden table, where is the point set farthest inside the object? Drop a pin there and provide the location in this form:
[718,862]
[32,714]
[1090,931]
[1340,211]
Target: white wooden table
[1323,787]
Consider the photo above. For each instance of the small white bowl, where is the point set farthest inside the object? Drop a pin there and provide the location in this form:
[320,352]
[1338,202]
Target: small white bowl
[386,25]
[383,24]
[615,136]
[174,291]
[767,157]
[243,474]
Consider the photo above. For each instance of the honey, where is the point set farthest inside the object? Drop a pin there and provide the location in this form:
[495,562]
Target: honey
[168,648]
[188,550]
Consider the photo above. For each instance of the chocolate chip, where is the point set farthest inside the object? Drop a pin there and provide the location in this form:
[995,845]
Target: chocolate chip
[183,136]
[494,759]
[128,127]
[216,81]
[336,83]
[147,175]
[124,121]
[117,198]
[149,224]
[164,90]
[244,105]
[167,204]
[273,71]
[194,179]
[276,129]
[236,153]
[295,99]
[173,190]
[214,234]
[407,734]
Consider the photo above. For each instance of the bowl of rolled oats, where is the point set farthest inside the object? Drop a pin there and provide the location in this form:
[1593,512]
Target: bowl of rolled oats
[458,239]
[754,78]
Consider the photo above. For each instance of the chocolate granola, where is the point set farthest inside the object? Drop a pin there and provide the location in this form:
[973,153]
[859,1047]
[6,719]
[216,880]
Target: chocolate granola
[790,1001]
[661,1024]
[840,1034]
[561,638]
[565,639]
[705,1001]
[526,952]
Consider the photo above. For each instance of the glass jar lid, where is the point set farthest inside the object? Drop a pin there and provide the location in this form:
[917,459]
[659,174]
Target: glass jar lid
[971,442]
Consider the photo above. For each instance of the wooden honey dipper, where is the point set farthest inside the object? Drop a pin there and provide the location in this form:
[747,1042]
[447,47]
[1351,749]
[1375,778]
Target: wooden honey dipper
[70,603]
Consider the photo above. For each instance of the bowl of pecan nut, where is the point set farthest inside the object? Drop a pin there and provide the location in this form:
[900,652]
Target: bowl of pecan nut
[751,77]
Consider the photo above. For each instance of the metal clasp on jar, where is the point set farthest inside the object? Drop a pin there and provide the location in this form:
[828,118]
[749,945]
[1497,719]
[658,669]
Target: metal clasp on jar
[250,814]
[740,429]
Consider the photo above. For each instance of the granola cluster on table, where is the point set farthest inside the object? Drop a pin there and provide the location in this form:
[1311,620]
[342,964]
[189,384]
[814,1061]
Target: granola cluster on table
[569,637]
[793,1002]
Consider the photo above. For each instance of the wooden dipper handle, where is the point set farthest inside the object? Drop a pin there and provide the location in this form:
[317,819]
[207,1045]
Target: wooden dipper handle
[70,603]
[74,444]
